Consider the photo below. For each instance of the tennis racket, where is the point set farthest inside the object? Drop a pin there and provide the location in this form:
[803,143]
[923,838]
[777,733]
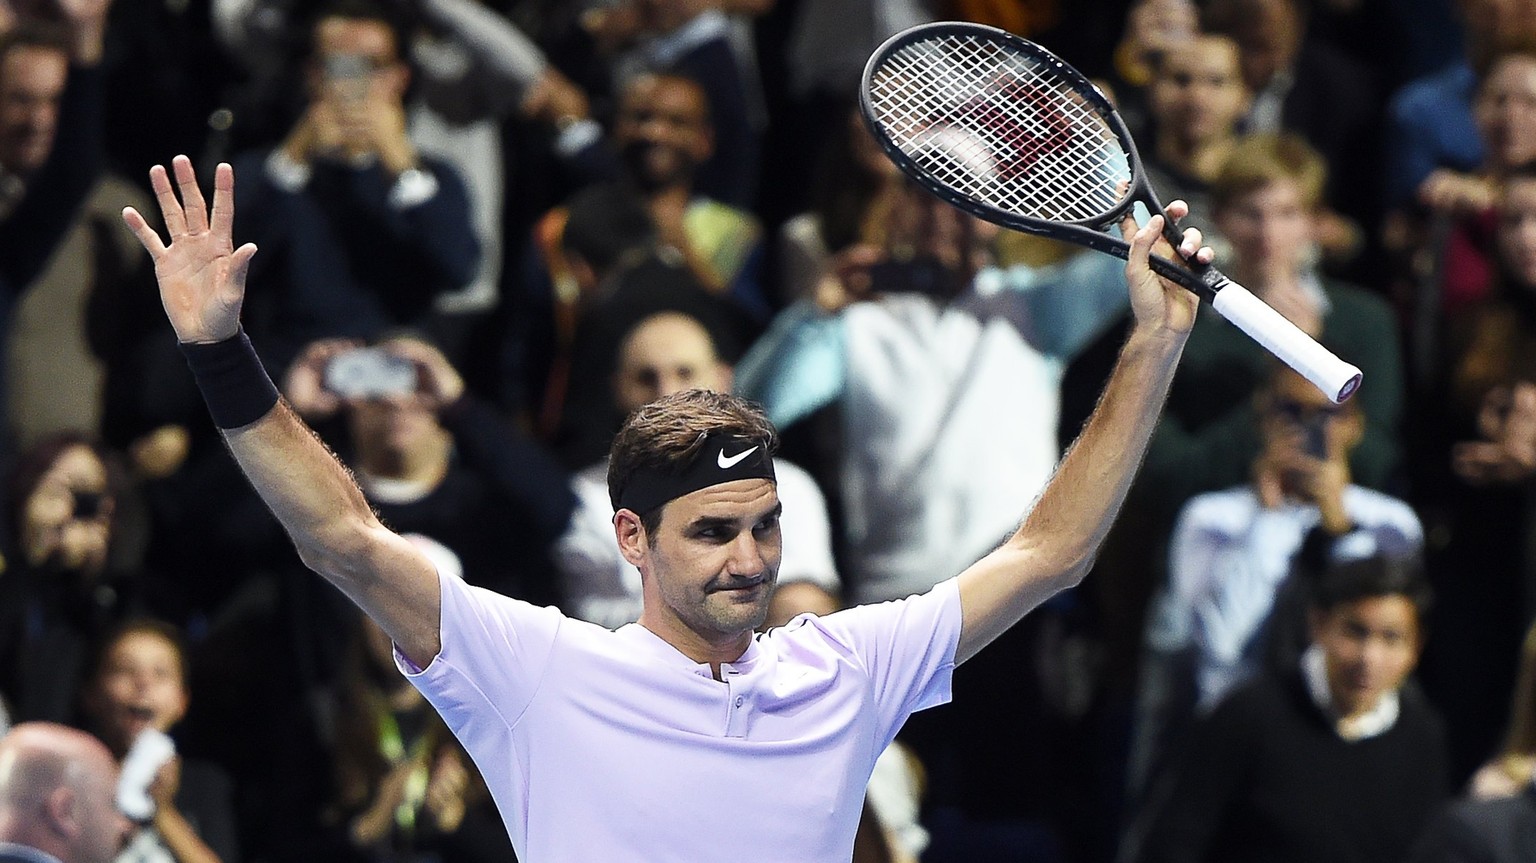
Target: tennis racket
[1007,131]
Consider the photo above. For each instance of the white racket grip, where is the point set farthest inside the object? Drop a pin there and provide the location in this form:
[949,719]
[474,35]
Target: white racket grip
[1337,379]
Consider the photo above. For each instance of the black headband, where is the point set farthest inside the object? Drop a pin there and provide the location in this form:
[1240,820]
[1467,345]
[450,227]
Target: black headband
[722,458]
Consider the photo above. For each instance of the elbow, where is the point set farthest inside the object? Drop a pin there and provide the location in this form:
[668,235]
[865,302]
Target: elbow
[342,552]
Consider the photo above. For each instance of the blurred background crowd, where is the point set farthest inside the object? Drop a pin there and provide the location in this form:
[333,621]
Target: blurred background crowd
[490,228]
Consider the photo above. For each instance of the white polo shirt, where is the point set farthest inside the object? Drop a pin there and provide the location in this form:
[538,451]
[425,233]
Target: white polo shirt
[613,746]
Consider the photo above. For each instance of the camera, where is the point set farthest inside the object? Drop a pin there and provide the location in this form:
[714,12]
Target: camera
[349,74]
[87,505]
[370,373]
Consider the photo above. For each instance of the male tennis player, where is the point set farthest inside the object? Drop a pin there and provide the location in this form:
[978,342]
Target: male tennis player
[684,736]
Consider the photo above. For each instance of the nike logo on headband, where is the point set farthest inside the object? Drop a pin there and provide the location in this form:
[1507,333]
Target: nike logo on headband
[728,462]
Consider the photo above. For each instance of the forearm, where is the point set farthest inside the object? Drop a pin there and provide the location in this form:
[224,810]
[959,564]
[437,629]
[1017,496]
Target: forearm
[1059,539]
[179,837]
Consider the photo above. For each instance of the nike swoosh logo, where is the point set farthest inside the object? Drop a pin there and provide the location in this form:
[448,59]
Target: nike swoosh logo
[727,462]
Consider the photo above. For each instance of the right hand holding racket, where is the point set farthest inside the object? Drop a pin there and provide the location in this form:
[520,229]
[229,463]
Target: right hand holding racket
[1162,306]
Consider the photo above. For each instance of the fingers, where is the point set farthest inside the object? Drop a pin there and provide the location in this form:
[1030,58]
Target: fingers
[170,207]
[195,210]
[223,200]
[149,238]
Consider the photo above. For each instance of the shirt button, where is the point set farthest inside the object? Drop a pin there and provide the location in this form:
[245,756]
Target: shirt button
[739,700]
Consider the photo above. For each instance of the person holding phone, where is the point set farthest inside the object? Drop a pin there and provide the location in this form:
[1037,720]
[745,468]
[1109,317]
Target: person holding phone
[366,230]
[1232,550]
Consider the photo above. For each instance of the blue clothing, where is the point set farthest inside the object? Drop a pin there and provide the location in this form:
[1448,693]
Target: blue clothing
[1431,126]
[800,365]
[342,254]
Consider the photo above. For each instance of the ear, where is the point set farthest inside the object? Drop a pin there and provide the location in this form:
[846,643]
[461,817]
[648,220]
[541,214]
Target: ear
[727,376]
[399,78]
[1351,429]
[634,544]
[61,811]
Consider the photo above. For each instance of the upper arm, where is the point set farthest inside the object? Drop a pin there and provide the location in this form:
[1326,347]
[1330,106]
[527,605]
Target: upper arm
[396,585]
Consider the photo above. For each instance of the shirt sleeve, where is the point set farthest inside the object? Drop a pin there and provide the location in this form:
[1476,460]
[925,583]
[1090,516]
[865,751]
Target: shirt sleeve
[907,647]
[798,367]
[494,653]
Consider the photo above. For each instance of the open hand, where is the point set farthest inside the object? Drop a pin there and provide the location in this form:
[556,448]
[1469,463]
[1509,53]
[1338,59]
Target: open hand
[201,274]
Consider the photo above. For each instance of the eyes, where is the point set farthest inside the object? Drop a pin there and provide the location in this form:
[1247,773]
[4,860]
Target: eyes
[722,533]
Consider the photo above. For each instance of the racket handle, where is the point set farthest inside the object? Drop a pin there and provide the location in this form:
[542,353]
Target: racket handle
[1337,379]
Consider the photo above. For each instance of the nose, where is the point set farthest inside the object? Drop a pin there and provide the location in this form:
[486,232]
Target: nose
[746,555]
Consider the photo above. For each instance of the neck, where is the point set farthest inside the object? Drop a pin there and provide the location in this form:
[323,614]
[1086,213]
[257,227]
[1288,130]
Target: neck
[1259,279]
[427,465]
[715,650]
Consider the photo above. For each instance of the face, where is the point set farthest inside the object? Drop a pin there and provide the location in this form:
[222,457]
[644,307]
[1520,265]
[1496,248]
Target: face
[140,686]
[394,429]
[710,567]
[1269,35]
[1292,405]
[1370,645]
[68,518]
[666,354]
[1506,111]
[103,830]
[1517,230]
[356,59]
[1270,228]
[662,130]
[31,87]
[1198,95]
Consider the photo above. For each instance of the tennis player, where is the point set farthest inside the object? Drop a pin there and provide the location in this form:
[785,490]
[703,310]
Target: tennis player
[685,736]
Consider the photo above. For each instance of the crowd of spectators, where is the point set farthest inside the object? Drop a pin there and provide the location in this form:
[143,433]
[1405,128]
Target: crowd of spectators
[490,228]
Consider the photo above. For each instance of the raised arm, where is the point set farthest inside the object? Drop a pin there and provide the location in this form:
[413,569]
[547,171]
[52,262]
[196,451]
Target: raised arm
[1058,541]
[202,284]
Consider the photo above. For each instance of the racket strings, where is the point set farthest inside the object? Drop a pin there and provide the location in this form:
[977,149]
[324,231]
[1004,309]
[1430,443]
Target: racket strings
[1001,127]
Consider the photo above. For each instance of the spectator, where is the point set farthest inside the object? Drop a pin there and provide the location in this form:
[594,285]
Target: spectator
[1266,200]
[666,353]
[51,154]
[1307,87]
[854,188]
[1472,474]
[1196,99]
[140,682]
[1153,29]
[435,459]
[405,792]
[662,135]
[362,230]
[472,71]
[1331,760]
[1430,123]
[59,593]
[58,797]
[1233,552]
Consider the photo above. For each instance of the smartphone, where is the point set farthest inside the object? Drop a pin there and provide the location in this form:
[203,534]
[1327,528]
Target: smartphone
[1315,435]
[367,373]
[349,74]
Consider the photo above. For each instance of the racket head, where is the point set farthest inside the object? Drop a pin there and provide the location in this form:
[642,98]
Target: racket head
[1004,129]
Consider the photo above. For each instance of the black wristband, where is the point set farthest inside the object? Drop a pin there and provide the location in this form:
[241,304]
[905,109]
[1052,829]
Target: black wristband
[234,383]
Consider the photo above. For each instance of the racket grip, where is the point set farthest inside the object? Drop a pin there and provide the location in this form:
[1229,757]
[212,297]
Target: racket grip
[1337,379]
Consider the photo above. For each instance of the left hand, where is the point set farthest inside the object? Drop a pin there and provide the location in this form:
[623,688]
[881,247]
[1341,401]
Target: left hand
[1161,306]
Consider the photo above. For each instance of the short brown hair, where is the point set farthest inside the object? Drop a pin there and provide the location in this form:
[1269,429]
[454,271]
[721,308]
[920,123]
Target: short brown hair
[1259,160]
[667,434]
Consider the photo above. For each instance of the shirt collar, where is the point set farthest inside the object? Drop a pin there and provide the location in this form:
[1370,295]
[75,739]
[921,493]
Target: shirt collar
[663,650]
[1376,721]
